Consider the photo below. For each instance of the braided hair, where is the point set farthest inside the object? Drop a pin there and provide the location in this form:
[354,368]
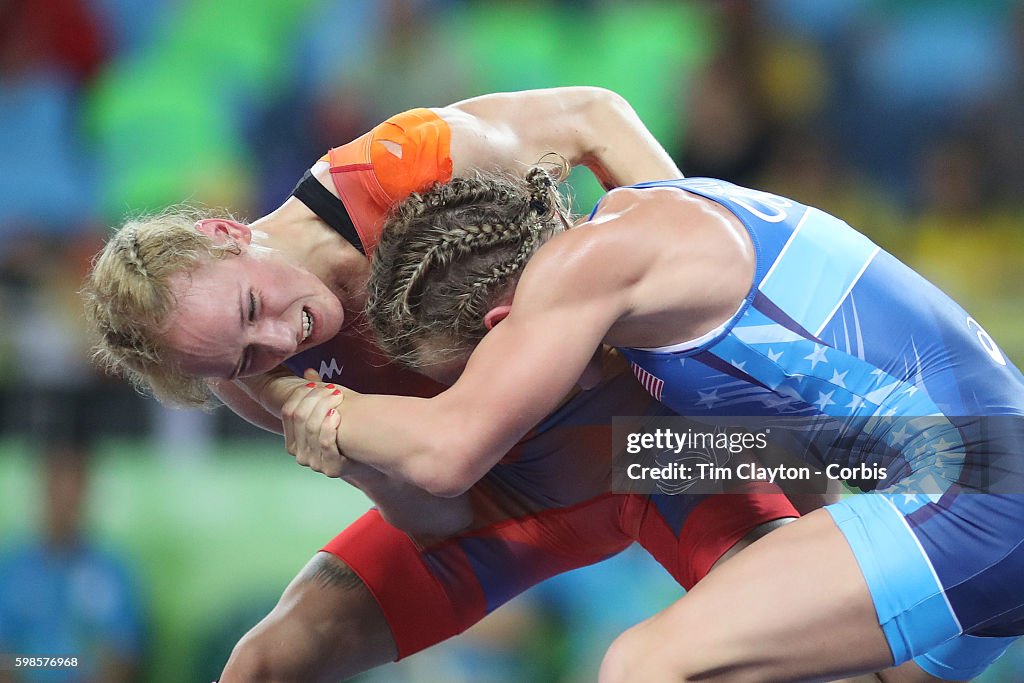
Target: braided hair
[448,254]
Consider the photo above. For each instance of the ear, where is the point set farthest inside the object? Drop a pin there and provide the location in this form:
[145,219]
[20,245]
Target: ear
[496,315]
[222,230]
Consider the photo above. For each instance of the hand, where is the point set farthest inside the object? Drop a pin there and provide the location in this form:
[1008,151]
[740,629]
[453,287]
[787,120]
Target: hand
[311,420]
[294,400]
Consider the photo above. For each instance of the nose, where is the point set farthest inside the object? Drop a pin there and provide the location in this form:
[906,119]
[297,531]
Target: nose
[278,338]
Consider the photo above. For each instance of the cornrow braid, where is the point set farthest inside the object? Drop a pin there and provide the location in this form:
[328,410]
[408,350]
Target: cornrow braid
[448,254]
[479,293]
[455,243]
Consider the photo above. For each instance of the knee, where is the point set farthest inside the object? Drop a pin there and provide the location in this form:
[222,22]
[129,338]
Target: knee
[250,661]
[275,652]
[647,652]
[633,656]
[615,667]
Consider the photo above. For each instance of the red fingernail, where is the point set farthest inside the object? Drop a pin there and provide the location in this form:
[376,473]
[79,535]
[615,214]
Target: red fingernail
[330,412]
[328,386]
[335,392]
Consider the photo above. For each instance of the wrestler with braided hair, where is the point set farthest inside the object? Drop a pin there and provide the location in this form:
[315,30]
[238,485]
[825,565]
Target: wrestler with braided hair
[726,301]
[464,265]
[194,304]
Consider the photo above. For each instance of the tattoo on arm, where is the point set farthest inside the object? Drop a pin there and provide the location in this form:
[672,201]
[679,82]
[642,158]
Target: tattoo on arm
[331,573]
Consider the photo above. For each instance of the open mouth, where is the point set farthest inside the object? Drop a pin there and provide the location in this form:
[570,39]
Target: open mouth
[307,324]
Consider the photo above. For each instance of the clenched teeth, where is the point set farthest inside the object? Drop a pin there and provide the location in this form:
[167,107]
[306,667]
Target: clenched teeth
[307,325]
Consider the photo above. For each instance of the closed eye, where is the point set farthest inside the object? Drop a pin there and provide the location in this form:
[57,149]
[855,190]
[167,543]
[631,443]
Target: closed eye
[252,305]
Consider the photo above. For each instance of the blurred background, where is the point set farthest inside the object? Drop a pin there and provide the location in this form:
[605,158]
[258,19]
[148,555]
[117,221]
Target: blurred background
[147,541]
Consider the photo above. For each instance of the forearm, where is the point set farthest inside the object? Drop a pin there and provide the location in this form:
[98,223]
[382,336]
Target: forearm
[246,407]
[424,448]
[587,126]
[369,433]
[412,509]
[616,145]
[403,505]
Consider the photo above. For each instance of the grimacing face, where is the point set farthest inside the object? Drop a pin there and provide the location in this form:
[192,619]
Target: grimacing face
[245,313]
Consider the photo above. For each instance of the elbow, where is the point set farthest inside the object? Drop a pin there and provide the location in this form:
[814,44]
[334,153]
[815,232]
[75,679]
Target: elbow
[597,96]
[602,102]
[600,118]
[447,484]
[450,469]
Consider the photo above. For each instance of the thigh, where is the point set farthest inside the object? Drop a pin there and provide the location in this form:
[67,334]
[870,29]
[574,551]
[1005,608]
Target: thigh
[792,606]
[430,590]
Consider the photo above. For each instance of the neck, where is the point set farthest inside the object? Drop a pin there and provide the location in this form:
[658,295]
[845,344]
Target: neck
[297,233]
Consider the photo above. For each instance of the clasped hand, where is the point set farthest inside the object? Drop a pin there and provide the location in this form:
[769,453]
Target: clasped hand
[309,412]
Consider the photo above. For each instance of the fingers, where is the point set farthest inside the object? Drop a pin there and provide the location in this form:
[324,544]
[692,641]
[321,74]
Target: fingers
[332,460]
[303,418]
[312,413]
[291,415]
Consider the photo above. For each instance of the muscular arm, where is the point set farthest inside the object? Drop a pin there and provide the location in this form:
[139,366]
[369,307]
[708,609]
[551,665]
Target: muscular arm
[563,308]
[403,505]
[588,126]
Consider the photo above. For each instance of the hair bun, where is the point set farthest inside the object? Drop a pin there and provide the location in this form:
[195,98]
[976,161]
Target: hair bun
[541,186]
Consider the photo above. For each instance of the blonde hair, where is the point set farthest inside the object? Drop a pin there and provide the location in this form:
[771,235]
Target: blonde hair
[127,297]
[448,254]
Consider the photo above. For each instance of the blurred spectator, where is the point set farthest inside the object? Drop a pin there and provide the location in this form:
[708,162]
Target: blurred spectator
[170,120]
[48,50]
[917,68]
[412,63]
[60,593]
[968,245]
[730,127]
[1001,121]
[804,165]
[55,36]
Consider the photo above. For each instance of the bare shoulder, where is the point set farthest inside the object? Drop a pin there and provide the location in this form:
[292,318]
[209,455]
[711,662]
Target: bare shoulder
[621,225]
[642,204]
[675,223]
[477,141]
[591,259]
[470,123]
